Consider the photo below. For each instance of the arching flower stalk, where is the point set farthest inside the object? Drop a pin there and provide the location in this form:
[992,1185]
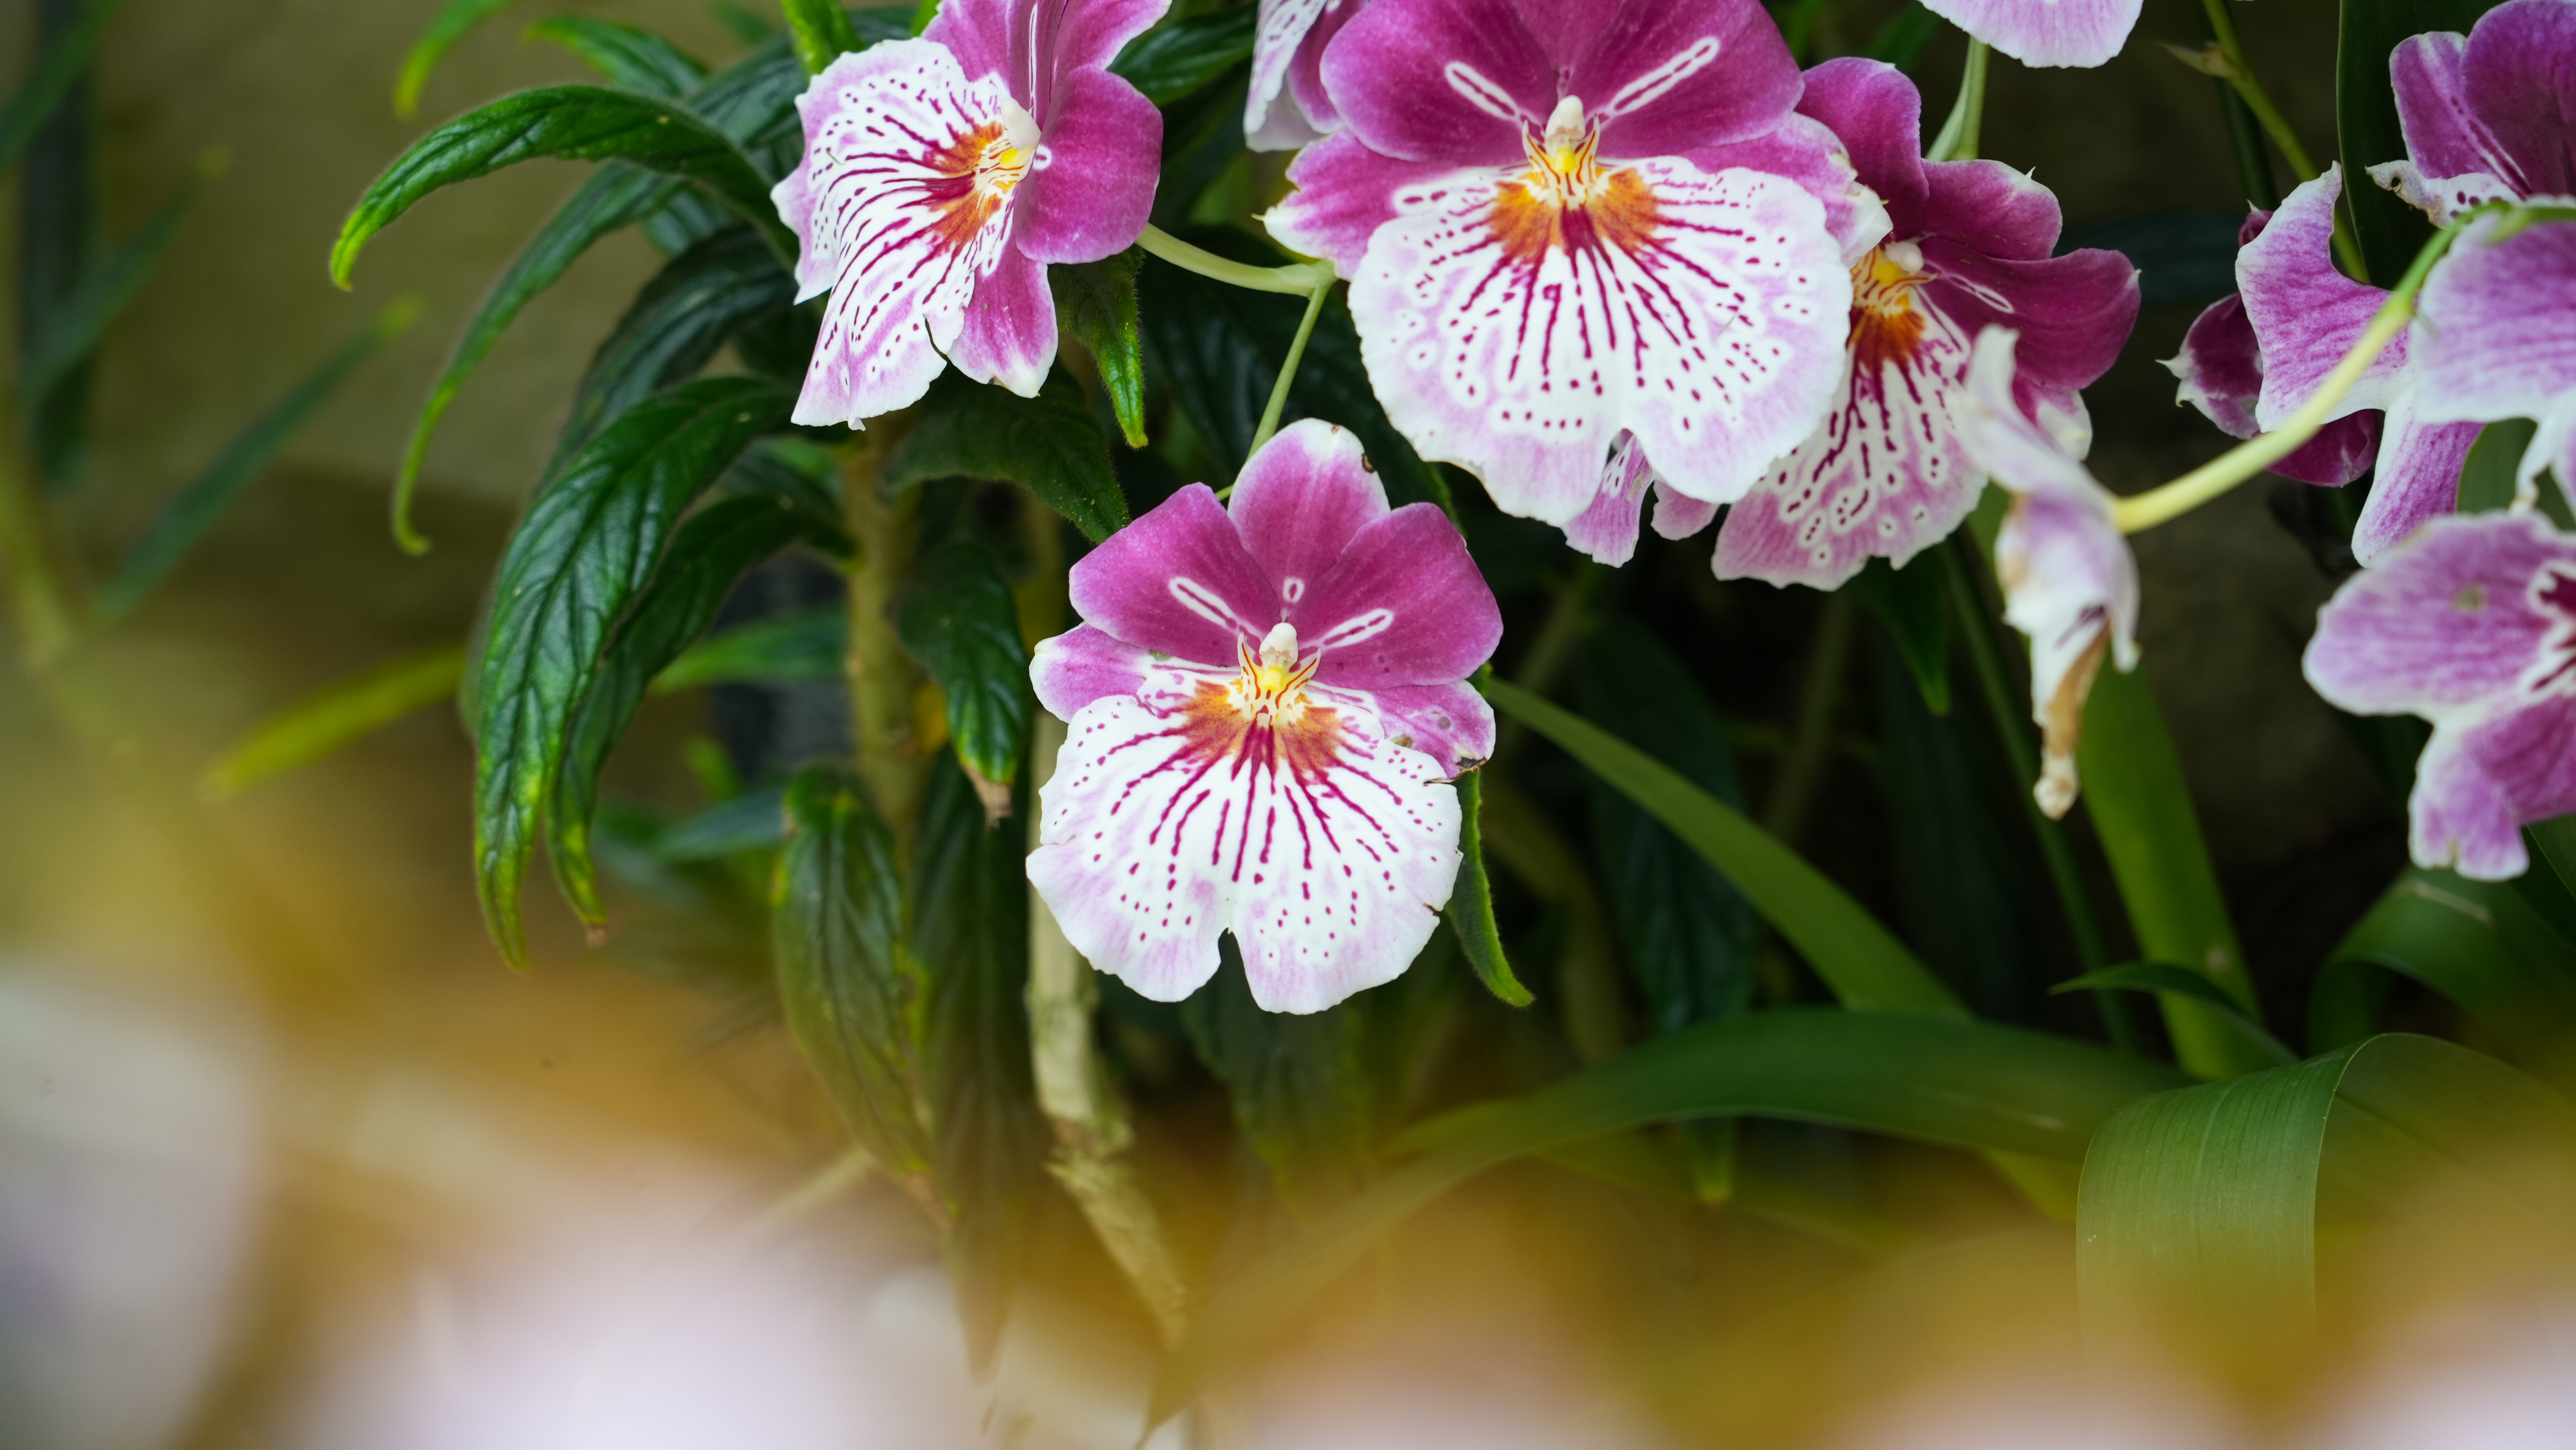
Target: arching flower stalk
[1267,700]
[943,175]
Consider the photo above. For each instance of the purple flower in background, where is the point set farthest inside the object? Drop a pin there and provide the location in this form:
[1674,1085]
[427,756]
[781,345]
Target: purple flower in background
[942,175]
[1288,106]
[1566,219]
[1968,248]
[1267,700]
[2488,116]
[2070,582]
[2472,625]
[2303,316]
[2045,32]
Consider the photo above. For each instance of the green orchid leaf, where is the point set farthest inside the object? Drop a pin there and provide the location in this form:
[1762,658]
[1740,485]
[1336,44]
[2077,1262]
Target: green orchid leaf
[1936,1080]
[1908,604]
[454,21]
[957,617]
[2166,977]
[580,557]
[574,123]
[202,501]
[809,645]
[688,312]
[2479,944]
[2141,808]
[1868,969]
[625,55]
[2487,482]
[59,66]
[1298,1084]
[755,820]
[1048,444]
[1177,57]
[822,32]
[2391,232]
[708,555]
[846,978]
[1470,911]
[1096,302]
[333,717]
[970,940]
[68,333]
[2199,1211]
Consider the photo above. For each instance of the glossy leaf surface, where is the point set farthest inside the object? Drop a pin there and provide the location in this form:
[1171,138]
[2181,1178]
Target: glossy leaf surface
[957,617]
[1470,911]
[1048,444]
[625,55]
[1096,302]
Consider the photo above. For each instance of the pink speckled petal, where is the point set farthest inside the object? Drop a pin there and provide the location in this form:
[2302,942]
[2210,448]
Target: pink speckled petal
[1084,664]
[1441,80]
[2446,624]
[1404,605]
[2497,338]
[1008,333]
[1878,115]
[1991,208]
[1345,192]
[2307,315]
[1299,502]
[1607,529]
[1327,849]
[2417,478]
[1717,340]
[1097,165]
[2045,32]
[1179,582]
[1278,32]
[2222,375]
[1672,76]
[1807,152]
[1450,723]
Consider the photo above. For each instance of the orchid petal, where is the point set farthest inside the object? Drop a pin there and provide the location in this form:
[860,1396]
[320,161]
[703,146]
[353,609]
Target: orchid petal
[1451,723]
[1403,606]
[1179,582]
[1345,192]
[2497,338]
[1092,188]
[1084,664]
[2306,314]
[2045,32]
[2417,478]
[1299,502]
[1878,115]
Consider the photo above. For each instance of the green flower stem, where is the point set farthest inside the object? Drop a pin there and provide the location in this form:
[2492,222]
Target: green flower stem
[1959,134]
[2240,74]
[2214,478]
[1976,627]
[1288,370]
[1298,278]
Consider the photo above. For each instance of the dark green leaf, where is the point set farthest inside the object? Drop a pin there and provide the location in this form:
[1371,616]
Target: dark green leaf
[1868,969]
[970,936]
[2199,1210]
[627,55]
[845,977]
[1900,41]
[579,558]
[334,716]
[2487,480]
[59,66]
[2141,808]
[1297,1083]
[748,25]
[202,501]
[822,31]
[1096,302]
[2166,977]
[805,646]
[2391,232]
[1957,1083]
[1179,56]
[1471,902]
[454,21]
[2477,943]
[59,233]
[799,475]
[708,555]
[1048,444]
[575,123]
[690,309]
[1908,604]
[957,617]
[755,820]
[69,332]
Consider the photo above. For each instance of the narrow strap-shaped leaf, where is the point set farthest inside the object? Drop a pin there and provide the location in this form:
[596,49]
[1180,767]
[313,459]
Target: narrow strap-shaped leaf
[1049,444]
[1909,605]
[627,55]
[1179,56]
[574,123]
[845,977]
[2199,1206]
[1096,302]
[1868,969]
[2141,809]
[2166,977]
[690,309]
[1957,1083]
[334,716]
[2366,127]
[751,821]
[711,551]
[575,564]
[57,69]
[202,500]
[805,646]
[822,32]
[2477,943]
[70,332]
[454,21]
[1471,902]
[958,618]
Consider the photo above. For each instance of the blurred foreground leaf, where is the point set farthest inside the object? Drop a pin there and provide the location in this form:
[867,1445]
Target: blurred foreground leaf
[57,69]
[333,716]
[811,644]
[2477,943]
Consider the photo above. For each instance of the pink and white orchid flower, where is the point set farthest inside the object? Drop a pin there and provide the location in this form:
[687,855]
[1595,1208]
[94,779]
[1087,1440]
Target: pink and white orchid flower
[2070,582]
[1288,106]
[2470,624]
[1564,220]
[941,177]
[1267,700]
[2045,32]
